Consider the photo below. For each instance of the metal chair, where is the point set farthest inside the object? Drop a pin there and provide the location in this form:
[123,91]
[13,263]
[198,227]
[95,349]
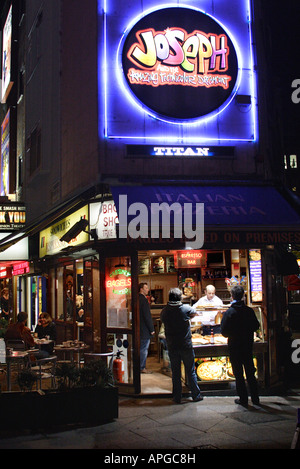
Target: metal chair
[45,369]
[104,356]
[15,344]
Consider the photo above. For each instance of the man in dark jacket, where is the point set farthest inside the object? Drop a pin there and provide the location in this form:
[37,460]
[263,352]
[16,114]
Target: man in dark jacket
[176,318]
[146,325]
[239,324]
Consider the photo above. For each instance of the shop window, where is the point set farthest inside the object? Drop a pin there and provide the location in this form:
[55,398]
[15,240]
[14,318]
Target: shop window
[60,294]
[52,293]
[118,292]
[69,293]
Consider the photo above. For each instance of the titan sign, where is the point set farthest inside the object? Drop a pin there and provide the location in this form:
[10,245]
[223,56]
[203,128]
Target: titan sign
[180,63]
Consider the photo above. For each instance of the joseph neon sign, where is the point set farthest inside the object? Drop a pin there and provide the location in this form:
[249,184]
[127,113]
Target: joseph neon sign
[168,66]
[179,55]
[198,53]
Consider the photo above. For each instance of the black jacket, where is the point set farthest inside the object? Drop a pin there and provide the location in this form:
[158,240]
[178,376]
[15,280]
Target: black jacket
[176,318]
[238,324]
[146,323]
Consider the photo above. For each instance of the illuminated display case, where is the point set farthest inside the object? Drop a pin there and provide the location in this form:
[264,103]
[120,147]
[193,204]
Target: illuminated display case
[211,349]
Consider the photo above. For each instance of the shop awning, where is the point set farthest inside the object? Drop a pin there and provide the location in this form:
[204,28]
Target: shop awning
[249,214]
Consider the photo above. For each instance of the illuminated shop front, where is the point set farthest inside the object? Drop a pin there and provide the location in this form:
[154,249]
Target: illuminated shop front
[178,124]
[101,277]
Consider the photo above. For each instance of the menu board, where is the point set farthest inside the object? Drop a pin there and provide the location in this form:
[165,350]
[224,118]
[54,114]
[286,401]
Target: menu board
[255,275]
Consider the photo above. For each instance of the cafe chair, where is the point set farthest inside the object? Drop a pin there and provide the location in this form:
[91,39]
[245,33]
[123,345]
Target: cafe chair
[15,344]
[45,369]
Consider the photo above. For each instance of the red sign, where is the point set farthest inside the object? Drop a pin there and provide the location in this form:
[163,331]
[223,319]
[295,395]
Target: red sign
[5,272]
[190,259]
[21,269]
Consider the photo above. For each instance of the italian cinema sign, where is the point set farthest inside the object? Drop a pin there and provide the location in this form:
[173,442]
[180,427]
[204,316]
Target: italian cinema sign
[167,66]
[180,63]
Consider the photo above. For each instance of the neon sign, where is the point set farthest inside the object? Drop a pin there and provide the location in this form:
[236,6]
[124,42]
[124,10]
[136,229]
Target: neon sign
[190,259]
[170,72]
[176,63]
[120,286]
[197,53]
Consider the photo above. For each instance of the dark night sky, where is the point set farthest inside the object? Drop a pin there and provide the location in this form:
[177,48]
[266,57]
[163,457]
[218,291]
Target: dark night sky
[285,32]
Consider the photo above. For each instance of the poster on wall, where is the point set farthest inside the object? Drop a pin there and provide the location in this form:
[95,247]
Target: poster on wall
[6,57]
[177,72]
[5,143]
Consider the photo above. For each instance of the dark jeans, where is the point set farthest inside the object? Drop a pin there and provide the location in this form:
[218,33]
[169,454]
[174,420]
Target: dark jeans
[243,360]
[144,352]
[188,358]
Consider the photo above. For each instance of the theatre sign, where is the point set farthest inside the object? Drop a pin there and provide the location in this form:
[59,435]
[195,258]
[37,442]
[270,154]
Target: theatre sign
[177,71]
[12,216]
[180,63]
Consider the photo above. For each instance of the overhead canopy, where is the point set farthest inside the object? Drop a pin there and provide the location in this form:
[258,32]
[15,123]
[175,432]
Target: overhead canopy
[249,214]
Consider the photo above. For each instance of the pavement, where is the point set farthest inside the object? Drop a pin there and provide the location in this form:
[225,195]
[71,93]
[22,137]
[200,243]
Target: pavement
[156,423]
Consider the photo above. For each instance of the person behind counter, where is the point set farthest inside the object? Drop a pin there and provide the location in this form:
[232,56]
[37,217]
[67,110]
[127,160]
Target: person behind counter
[176,318]
[46,328]
[210,298]
[239,324]
[146,325]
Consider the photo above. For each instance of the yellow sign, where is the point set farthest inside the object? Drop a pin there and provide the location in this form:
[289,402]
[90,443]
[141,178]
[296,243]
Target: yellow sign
[50,237]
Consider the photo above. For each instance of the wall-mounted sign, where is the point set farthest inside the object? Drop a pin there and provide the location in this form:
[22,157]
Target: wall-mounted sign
[21,269]
[166,66]
[6,57]
[190,259]
[103,218]
[12,216]
[180,63]
[5,272]
[255,275]
[50,237]
[5,144]
[146,151]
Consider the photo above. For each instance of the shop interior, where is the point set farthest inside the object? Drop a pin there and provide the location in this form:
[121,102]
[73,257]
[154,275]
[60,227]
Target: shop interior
[192,271]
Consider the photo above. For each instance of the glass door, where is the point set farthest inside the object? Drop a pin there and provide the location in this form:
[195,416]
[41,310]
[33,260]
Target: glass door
[121,319]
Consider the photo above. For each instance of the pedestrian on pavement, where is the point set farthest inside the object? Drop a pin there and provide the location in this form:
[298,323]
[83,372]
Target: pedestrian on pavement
[176,318]
[146,326]
[239,324]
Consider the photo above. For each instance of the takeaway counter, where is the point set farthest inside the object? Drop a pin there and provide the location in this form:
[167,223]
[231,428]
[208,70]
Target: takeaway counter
[211,349]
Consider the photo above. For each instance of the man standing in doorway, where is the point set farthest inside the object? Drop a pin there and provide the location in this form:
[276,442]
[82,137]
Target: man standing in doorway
[239,324]
[176,318]
[146,325]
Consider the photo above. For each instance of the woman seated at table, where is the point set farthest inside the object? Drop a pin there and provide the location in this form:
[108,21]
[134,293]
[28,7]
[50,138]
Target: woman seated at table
[46,329]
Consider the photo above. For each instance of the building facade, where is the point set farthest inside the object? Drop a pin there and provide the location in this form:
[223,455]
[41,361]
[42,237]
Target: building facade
[114,107]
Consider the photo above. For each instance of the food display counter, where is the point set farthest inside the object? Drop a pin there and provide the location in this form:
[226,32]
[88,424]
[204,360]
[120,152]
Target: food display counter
[211,350]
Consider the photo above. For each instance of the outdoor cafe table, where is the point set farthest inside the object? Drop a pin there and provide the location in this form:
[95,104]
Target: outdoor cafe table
[71,349]
[40,342]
